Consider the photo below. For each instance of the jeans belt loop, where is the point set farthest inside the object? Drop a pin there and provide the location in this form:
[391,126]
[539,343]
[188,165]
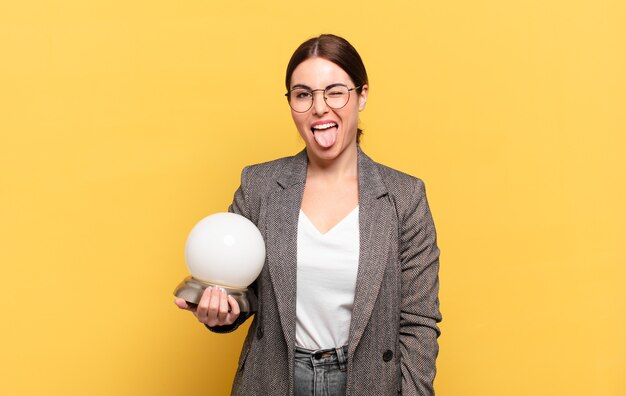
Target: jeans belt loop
[341,359]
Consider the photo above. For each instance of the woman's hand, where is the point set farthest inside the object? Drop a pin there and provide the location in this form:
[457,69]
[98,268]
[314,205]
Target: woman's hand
[216,307]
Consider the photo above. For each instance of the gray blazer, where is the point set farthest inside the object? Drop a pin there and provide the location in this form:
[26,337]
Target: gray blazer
[392,344]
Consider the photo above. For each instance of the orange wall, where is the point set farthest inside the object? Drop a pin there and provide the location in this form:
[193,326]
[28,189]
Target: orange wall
[124,123]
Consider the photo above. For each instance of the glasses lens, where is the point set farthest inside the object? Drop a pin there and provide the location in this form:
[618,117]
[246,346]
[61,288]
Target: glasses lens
[337,96]
[300,99]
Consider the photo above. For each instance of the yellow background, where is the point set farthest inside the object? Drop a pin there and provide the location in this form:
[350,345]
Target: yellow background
[123,123]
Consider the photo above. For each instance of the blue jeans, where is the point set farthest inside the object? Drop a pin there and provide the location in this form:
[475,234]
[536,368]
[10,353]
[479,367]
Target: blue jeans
[321,372]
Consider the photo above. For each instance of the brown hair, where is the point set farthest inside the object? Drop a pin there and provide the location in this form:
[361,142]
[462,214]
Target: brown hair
[335,49]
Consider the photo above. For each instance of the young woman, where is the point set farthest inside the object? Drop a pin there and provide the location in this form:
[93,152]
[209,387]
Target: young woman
[348,297]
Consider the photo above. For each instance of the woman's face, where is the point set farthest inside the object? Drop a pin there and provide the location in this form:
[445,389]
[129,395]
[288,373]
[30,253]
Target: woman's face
[327,132]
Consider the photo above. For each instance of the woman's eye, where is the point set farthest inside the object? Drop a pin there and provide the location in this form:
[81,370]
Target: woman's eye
[335,93]
[302,95]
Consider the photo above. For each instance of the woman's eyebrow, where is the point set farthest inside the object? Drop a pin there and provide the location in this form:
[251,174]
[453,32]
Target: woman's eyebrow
[310,89]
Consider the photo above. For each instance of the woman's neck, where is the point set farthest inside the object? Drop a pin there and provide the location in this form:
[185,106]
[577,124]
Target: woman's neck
[340,168]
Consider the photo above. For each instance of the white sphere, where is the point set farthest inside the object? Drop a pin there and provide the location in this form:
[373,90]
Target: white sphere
[225,249]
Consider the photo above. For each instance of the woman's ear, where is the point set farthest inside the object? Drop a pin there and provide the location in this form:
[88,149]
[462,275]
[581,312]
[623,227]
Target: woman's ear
[363,97]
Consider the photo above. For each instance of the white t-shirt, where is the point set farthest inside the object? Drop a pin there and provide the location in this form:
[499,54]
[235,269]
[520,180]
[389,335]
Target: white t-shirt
[326,282]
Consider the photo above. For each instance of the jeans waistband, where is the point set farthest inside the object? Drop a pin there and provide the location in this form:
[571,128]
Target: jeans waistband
[319,357]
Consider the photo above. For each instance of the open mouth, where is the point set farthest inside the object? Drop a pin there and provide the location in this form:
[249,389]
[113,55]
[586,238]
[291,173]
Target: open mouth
[323,127]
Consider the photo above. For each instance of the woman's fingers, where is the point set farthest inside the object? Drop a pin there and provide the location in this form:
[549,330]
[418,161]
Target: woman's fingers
[222,314]
[182,304]
[202,312]
[234,310]
[216,307]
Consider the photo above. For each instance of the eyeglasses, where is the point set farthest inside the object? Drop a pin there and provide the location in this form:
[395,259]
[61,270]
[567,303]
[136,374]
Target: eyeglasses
[336,96]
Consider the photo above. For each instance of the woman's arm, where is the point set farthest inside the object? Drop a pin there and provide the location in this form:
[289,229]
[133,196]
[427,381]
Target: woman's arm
[419,314]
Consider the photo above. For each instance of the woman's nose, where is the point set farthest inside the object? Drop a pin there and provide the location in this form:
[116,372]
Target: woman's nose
[319,103]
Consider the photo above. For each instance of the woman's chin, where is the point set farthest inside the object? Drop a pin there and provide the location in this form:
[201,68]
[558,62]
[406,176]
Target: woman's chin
[327,154]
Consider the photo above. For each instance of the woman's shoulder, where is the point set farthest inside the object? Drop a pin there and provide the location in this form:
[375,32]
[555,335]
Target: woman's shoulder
[397,176]
[277,173]
[407,192]
[398,181]
[389,175]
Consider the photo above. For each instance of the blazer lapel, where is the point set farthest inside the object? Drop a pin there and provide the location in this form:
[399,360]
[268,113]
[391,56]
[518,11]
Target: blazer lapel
[375,230]
[283,208]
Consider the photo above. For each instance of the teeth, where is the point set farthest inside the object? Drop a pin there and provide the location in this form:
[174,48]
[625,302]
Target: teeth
[324,126]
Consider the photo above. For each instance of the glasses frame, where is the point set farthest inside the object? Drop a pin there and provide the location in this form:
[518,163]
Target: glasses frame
[312,91]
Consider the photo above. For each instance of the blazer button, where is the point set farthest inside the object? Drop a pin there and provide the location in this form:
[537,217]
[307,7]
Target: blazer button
[259,333]
[388,355]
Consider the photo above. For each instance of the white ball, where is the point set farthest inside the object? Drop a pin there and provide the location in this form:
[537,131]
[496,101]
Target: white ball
[225,249]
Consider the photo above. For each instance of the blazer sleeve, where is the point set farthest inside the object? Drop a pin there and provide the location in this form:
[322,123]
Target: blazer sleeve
[420,313]
[239,206]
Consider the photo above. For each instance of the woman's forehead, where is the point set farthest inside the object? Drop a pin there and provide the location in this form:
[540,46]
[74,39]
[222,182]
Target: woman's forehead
[319,73]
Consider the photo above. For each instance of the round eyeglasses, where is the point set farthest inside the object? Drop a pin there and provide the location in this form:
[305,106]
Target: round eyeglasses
[336,96]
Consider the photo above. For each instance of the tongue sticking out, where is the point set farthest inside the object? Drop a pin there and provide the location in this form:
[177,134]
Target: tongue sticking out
[326,137]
